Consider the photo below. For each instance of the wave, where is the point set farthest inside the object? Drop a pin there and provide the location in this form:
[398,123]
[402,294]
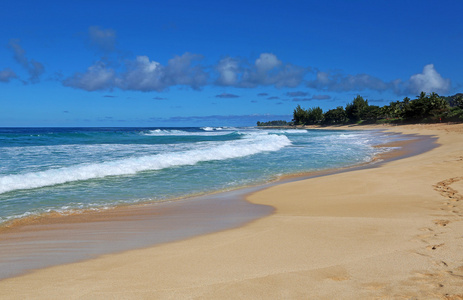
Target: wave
[249,144]
[207,128]
[210,128]
[286,131]
[174,132]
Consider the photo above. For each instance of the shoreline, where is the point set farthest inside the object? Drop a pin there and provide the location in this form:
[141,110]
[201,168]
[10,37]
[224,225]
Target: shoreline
[386,239]
[73,215]
[230,210]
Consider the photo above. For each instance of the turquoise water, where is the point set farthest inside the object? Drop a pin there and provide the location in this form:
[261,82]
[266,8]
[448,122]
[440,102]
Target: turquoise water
[67,169]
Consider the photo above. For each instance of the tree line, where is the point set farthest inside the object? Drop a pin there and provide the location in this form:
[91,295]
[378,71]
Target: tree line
[426,108]
[273,123]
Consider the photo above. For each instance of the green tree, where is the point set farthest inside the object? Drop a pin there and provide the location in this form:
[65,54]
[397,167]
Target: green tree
[455,114]
[371,113]
[426,108]
[395,110]
[335,116]
[356,109]
[300,116]
[314,115]
[273,123]
[438,107]
[459,101]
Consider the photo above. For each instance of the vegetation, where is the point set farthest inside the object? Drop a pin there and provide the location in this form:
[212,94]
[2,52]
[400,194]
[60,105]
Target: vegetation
[273,123]
[426,108]
[307,117]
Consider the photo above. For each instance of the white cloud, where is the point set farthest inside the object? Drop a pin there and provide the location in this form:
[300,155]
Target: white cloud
[428,81]
[228,69]
[97,77]
[181,70]
[288,76]
[266,70]
[7,74]
[145,75]
[267,62]
[142,75]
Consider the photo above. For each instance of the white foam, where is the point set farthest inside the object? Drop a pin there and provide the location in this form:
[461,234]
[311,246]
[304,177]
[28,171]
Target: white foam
[348,139]
[162,132]
[286,131]
[249,144]
[211,128]
[172,132]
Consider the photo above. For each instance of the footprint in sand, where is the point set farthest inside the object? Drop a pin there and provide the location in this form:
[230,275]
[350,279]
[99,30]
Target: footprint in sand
[445,190]
[426,229]
[441,222]
[440,263]
[434,247]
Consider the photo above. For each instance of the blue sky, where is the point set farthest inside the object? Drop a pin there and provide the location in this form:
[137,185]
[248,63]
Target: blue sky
[213,63]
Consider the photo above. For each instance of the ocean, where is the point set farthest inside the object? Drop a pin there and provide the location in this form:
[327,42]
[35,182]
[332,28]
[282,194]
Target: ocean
[67,170]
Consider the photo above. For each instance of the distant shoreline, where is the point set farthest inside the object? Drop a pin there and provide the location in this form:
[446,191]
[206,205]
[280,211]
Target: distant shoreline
[356,126]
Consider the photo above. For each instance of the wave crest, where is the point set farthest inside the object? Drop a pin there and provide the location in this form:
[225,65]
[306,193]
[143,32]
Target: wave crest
[175,132]
[248,145]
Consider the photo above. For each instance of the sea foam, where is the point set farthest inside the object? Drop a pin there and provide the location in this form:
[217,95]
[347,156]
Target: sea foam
[249,144]
[173,132]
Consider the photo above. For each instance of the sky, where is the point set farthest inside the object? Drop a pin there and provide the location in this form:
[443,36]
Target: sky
[218,63]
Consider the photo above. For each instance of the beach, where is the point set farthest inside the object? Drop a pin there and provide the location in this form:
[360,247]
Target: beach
[389,232]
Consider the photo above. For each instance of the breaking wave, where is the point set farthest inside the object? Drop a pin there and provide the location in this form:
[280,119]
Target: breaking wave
[248,144]
[174,132]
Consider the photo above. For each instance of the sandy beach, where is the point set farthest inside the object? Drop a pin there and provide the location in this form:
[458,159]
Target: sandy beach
[391,232]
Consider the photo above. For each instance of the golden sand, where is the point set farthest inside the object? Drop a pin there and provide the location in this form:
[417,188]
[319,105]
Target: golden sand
[393,232]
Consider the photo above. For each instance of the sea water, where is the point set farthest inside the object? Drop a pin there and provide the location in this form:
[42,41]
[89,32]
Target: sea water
[71,169]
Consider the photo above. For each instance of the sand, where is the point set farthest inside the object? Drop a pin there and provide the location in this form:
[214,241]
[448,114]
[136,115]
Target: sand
[392,232]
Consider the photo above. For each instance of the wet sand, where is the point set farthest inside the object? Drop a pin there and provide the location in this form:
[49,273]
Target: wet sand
[393,231]
[49,240]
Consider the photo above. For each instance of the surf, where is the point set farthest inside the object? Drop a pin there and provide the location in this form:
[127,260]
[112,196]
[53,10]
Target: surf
[249,144]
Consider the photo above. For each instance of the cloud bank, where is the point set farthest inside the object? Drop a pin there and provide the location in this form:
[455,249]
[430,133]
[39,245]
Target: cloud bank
[429,80]
[145,74]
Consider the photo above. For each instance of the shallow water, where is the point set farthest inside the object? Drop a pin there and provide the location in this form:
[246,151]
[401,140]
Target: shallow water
[66,169]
